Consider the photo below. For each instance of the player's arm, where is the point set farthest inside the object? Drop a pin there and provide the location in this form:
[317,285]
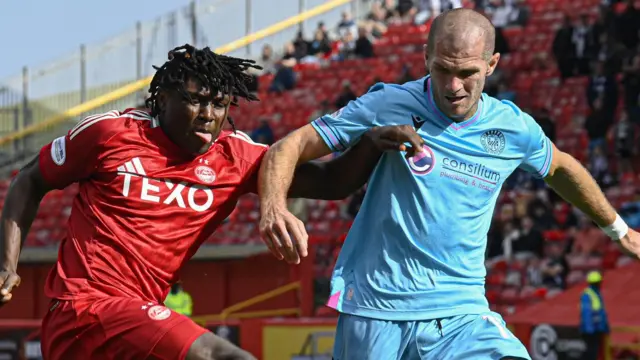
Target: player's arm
[567,177]
[21,205]
[572,182]
[340,177]
[66,160]
[328,134]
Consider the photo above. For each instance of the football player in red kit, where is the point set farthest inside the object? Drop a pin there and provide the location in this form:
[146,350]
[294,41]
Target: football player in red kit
[152,188]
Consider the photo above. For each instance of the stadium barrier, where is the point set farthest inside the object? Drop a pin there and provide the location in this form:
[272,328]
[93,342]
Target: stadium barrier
[135,87]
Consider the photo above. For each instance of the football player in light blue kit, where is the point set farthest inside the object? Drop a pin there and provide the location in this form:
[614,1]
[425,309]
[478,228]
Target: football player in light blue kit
[409,281]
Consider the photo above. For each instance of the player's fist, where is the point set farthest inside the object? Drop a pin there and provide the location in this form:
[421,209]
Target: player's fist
[283,233]
[395,137]
[630,243]
[8,280]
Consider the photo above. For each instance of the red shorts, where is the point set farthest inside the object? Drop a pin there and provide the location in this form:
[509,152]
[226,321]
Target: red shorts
[115,328]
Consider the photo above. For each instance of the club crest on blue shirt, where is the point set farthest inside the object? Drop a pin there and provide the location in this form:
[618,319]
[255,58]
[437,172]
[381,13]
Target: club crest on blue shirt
[422,163]
[493,141]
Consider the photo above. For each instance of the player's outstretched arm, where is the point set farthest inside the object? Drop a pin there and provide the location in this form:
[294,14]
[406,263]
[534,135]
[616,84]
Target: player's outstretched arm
[331,180]
[342,176]
[277,224]
[572,181]
[20,208]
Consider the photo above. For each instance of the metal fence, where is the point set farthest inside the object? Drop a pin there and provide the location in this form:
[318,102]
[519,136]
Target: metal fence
[95,69]
[39,93]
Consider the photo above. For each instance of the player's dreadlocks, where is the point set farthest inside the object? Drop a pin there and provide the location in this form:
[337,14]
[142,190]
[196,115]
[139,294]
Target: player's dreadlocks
[221,73]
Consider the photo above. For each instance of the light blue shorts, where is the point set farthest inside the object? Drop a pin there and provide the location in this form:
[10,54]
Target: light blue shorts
[464,337]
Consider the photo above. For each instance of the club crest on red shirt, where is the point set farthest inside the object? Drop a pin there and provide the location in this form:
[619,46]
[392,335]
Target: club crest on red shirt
[205,174]
[158,312]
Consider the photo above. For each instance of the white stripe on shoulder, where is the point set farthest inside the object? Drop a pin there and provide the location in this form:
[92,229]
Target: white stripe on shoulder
[136,117]
[140,113]
[90,121]
[242,136]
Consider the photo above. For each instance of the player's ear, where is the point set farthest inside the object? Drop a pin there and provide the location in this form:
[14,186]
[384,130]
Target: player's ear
[493,63]
[161,100]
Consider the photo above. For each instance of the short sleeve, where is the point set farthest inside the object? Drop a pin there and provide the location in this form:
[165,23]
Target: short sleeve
[538,158]
[251,154]
[74,157]
[344,128]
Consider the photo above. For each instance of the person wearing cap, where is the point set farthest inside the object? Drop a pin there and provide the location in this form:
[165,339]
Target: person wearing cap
[594,325]
[179,300]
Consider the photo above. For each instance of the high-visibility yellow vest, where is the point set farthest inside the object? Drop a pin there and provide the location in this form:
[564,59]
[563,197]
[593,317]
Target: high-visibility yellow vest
[180,303]
[596,304]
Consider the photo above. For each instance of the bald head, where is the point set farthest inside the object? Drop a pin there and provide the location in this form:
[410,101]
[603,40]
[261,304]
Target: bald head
[460,29]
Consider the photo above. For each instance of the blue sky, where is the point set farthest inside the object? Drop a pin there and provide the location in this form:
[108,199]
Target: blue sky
[50,29]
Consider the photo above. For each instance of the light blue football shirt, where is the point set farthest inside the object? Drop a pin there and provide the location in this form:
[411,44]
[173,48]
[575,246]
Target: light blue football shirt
[416,248]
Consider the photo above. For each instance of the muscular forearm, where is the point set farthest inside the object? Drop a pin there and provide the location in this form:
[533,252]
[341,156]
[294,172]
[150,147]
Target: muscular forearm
[338,178]
[277,169]
[17,216]
[572,181]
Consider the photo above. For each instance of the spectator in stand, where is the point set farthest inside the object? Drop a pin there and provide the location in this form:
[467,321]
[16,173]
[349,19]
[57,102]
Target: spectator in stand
[598,123]
[543,118]
[530,242]
[266,61]
[625,136]
[554,267]
[599,167]
[540,212]
[631,83]
[345,96]
[364,44]
[580,39]
[429,9]
[564,50]
[628,26]
[320,46]
[285,78]
[263,134]
[594,325]
[588,239]
[346,47]
[376,20]
[391,12]
[346,25]
[301,46]
[603,84]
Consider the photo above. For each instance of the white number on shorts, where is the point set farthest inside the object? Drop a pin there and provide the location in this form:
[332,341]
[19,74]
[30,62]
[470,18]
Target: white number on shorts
[503,332]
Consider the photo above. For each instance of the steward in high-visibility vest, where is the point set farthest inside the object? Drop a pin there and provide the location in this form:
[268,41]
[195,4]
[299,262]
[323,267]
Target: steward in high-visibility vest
[179,300]
[594,324]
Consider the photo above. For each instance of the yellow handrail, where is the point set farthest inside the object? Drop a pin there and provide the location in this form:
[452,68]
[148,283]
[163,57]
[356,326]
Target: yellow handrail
[260,298]
[141,84]
[202,320]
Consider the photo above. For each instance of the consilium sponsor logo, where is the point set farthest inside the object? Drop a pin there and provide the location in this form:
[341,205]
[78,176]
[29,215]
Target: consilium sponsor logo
[475,170]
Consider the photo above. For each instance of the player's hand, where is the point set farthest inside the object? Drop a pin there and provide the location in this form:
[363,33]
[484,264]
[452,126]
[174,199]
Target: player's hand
[631,243]
[8,281]
[395,137]
[283,233]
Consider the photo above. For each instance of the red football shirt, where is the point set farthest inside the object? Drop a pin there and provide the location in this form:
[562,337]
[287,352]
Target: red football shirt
[144,206]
